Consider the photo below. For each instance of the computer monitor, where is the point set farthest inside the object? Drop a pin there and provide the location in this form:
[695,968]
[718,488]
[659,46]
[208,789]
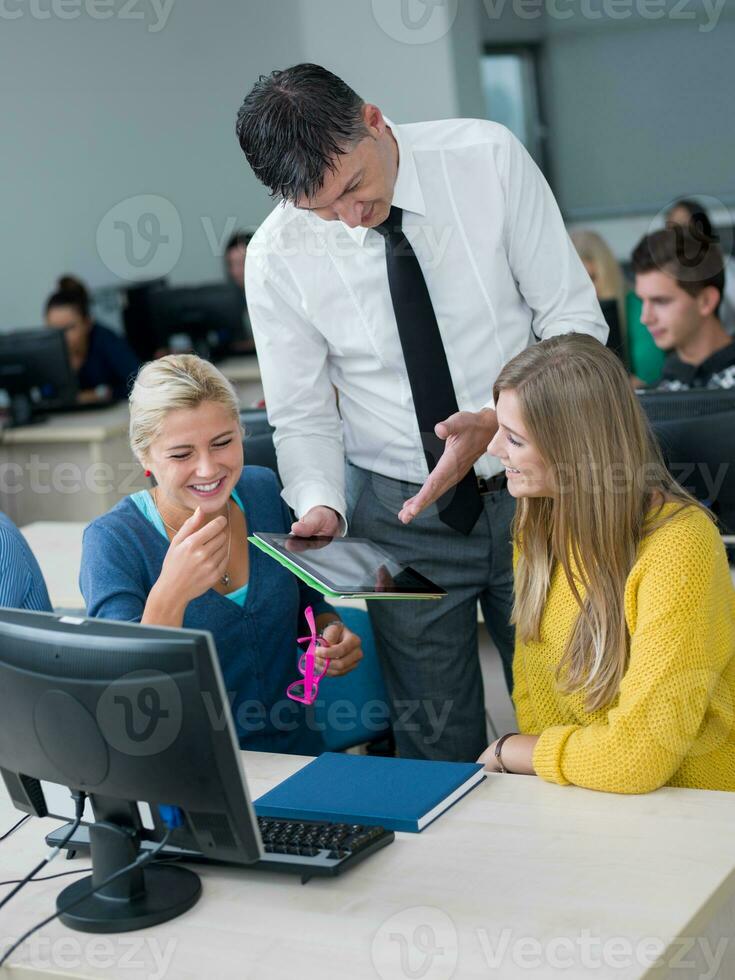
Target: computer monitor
[696,432]
[611,314]
[205,318]
[36,373]
[137,717]
[137,318]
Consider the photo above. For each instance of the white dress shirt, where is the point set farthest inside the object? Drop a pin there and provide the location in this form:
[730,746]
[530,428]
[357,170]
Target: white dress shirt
[500,270]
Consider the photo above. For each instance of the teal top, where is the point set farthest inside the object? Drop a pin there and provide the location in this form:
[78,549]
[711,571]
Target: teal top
[144,502]
[645,360]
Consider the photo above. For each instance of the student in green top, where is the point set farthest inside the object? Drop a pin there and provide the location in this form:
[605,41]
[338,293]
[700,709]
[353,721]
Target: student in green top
[643,359]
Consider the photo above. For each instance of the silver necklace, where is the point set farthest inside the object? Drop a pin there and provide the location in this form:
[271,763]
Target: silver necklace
[225,579]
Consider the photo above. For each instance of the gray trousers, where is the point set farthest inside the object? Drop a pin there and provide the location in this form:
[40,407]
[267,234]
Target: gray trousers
[428,648]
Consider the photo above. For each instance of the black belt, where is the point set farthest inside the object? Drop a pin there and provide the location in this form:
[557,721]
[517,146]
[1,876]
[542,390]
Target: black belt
[493,485]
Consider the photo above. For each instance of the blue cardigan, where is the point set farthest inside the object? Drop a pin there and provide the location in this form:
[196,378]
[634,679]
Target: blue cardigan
[122,555]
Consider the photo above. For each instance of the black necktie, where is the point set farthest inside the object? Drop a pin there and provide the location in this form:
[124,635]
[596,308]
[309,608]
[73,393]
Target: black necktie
[426,362]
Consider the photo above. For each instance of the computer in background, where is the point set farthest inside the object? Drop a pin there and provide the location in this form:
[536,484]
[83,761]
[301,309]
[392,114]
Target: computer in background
[36,373]
[137,317]
[696,432]
[205,319]
[611,314]
[137,718]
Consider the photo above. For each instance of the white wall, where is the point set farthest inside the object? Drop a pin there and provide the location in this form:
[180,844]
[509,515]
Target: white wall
[98,111]
[95,111]
[640,114]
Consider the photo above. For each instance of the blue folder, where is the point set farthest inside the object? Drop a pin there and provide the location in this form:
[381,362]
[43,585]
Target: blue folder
[398,794]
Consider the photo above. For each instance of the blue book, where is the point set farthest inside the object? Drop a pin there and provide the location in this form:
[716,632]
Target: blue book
[398,794]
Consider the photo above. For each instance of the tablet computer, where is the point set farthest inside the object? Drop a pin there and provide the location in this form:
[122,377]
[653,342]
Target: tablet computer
[346,568]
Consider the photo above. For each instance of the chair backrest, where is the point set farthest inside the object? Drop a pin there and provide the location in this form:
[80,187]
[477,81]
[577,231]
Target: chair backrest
[354,709]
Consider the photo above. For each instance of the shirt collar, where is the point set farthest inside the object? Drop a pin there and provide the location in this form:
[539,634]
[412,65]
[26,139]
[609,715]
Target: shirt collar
[407,193]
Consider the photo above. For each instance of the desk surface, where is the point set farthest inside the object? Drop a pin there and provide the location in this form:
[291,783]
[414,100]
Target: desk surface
[520,874]
[89,425]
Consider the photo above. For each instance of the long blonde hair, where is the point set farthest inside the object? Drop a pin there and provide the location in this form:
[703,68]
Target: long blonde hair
[609,280]
[586,423]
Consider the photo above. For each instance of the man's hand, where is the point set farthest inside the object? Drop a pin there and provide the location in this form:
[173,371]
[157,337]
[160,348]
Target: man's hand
[466,435]
[321,521]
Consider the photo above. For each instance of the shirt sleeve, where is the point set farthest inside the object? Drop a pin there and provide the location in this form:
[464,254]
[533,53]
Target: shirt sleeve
[299,397]
[549,273]
[15,576]
[109,578]
[674,672]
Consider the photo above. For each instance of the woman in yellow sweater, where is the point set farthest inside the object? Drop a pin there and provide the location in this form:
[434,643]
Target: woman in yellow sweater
[624,668]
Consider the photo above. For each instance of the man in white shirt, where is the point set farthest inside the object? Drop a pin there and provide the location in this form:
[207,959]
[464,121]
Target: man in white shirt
[404,260]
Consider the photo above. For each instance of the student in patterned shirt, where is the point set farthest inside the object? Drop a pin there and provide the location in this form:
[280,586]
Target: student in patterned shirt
[680,279]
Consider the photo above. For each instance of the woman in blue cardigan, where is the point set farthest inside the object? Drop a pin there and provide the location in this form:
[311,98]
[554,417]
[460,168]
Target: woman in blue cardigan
[178,555]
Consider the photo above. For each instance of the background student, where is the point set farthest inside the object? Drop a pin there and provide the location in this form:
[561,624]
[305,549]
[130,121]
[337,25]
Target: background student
[691,215]
[103,362]
[624,609]
[21,581]
[680,278]
[642,358]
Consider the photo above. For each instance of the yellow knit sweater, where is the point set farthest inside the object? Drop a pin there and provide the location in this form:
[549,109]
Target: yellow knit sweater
[673,720]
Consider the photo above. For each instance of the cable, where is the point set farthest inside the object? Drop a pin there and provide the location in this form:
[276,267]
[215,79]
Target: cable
[139,862]
[174,859]
[61,874]
[16,826]
[79,798]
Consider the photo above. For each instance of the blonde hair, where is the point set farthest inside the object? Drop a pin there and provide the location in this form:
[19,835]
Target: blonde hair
[609,281]
[170,383]
[581,414]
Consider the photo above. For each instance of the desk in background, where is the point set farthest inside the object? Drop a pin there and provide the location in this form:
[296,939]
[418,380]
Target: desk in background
[518,878]
[70,467]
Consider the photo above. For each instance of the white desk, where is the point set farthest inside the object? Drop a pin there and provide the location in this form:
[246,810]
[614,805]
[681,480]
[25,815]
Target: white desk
[71,467]
[532,874]
[244,374]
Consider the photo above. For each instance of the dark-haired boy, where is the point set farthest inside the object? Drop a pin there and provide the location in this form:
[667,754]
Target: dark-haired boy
[680,279]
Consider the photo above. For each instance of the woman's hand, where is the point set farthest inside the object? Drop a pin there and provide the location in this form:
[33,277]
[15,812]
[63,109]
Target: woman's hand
[517,755]
[344,651]
[195,561]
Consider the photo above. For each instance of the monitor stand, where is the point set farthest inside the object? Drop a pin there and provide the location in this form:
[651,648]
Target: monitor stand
[142,897]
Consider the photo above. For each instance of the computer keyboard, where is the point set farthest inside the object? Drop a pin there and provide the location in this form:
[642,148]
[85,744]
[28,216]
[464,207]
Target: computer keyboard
[317,847]
[305,847]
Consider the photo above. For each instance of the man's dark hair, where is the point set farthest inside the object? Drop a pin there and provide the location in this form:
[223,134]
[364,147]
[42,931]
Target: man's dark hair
[699,223]
[238,239]
[694,262]
[292,126]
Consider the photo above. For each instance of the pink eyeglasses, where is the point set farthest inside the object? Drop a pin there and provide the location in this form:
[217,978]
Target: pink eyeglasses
[305,690]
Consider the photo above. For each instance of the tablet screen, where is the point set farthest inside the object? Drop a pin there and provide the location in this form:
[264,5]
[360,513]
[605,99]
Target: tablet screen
[349,565]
